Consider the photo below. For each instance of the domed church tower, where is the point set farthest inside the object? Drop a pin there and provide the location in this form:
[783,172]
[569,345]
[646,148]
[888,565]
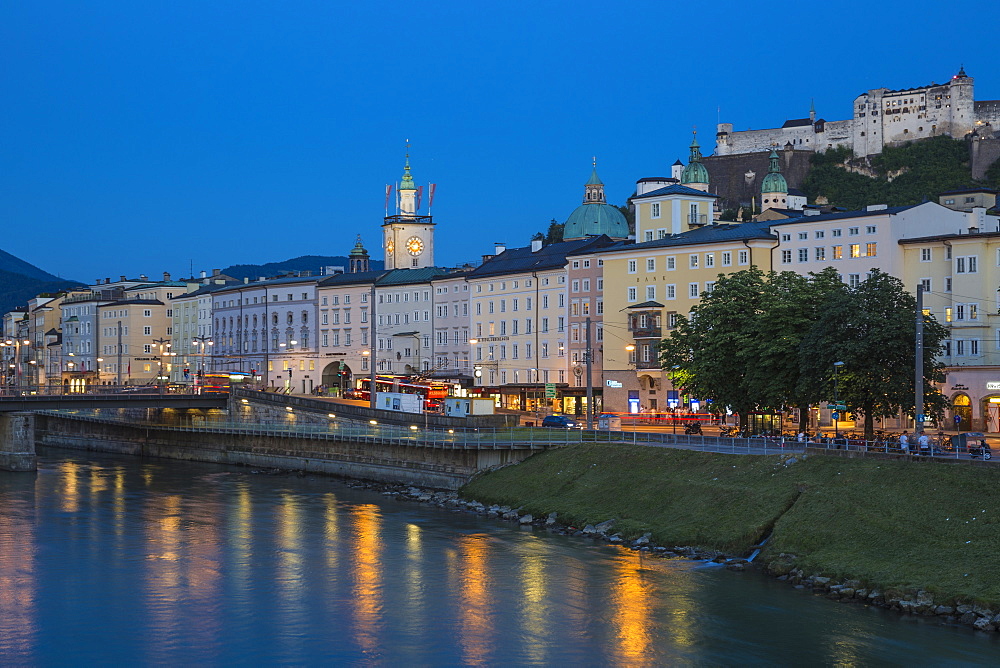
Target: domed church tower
[595,216]
[358,258]
[774,188]
[695,175]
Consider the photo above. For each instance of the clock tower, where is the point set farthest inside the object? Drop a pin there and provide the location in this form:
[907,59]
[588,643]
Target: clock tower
[408,237]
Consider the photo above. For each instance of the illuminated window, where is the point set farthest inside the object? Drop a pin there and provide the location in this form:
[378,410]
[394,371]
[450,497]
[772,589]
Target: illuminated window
[855,250]
[838,252]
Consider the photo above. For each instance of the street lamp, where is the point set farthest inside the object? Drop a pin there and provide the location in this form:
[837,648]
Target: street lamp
[836,397]
[159,360]
[673,387]
[201,342]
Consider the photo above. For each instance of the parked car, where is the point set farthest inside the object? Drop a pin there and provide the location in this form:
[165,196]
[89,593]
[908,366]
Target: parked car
[561,422]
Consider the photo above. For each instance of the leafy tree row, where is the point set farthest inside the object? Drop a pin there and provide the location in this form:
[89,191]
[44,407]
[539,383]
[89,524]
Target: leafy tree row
[766,341]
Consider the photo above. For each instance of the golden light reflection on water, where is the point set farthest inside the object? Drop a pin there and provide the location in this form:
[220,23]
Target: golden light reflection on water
[331,531]
[118,502]
[367,560]
[69,474]
[535,599]
[162,582]
[18,581]
[638,599]
[475,622]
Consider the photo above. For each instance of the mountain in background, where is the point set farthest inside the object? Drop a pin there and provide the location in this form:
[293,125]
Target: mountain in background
[20,281]
[310,263]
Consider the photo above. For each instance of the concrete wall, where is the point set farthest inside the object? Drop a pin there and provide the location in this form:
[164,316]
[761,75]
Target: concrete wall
[17,442]
[384,461]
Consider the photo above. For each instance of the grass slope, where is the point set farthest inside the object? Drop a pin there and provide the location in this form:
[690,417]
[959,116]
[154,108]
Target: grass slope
[891,524]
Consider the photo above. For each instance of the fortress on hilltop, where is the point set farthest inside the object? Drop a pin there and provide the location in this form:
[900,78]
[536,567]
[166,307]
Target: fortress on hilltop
[882,117]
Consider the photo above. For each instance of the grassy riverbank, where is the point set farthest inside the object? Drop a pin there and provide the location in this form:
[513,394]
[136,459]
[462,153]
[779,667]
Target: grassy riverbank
[891,524]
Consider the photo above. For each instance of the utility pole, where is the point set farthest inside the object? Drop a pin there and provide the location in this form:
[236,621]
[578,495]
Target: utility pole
[119,352]
[372,347]
[588,356]
[918,372]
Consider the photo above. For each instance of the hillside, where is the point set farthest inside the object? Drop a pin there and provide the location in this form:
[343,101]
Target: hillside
[312,263]
[20,281]
[901,175]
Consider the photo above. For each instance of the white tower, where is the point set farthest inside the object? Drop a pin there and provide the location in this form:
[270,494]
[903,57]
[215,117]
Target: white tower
[407,237]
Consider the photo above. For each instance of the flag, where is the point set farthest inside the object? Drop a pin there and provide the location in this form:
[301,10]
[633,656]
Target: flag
[430,200]
[388,192]
[420,195]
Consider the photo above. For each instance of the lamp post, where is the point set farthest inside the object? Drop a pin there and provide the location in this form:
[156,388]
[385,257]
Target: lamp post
[159,359]
[201,342]
[673,387]
[836,397]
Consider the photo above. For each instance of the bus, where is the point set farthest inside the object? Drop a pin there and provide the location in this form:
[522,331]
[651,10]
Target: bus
[221,382]
[433,393]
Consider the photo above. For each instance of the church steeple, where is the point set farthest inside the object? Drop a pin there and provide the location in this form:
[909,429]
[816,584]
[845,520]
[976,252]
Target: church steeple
[407,189]
[695,175]
[593,190]
[358,258]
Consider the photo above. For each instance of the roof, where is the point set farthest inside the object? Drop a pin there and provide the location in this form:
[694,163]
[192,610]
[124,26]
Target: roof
[675,189]
[950,235]
[718,232]
[797,123]
[521,260]
[203,290]
[963,191]
[355,278]
[123,302]
[796,192]
[595,218]
[409,276]
[847,214]
[649,304]
[656,179]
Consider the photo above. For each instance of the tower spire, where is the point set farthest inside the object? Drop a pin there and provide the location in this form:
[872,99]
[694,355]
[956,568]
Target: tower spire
[593,190]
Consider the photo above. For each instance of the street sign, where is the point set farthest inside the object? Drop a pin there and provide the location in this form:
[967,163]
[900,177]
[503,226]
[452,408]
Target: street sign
[550,390]
[837,407]
[835,415]
[921,417]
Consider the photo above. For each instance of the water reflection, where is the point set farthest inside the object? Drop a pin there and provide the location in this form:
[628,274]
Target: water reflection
[367,571]
[176,564]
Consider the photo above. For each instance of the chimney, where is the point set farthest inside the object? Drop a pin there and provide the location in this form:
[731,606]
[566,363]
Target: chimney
[246,279]
[216,272]
[98,282]
[487,258]
[166,276]
[536,243]
[107,281]
[123,277]
[204,274]
[500,247]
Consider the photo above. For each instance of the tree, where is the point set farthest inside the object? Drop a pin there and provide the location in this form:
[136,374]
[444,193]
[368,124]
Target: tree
[871,328]
[555,232]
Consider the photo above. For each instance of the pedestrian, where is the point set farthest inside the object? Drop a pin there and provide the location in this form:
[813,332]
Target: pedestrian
[904,443]
[802,437]
[925,443]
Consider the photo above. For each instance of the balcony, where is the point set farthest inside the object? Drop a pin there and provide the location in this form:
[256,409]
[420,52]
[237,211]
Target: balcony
[697,219]
[648,332]
[650,364]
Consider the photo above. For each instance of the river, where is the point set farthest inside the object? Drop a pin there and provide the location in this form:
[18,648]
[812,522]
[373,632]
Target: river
[114,560]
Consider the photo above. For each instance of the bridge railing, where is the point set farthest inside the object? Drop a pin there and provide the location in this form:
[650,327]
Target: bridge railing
[63,390]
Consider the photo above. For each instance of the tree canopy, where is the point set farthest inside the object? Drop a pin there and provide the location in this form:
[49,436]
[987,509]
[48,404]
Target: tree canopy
[766,341]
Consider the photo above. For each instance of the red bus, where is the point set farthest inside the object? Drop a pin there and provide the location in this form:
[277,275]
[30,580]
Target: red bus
[433,393]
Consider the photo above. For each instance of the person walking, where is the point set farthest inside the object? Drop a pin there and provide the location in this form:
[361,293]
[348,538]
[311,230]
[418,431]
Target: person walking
[925,443]
[904,443]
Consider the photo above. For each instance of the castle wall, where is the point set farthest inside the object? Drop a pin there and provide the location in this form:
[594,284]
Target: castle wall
[737,178]
[988,111]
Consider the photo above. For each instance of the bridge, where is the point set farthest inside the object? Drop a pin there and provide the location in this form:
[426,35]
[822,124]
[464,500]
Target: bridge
[45,399]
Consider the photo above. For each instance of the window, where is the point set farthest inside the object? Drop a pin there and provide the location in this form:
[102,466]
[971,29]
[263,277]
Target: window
[655,210]
[709,260]
[871,249]
[693,261]
[819,234]
[786,237]
[693,290]
[820,253]
[870,229]
[786,256]
[838,252]
[650,264]
[836,233]
[574,286]
[147,313]
[632,294]
[648,235]
[632,266]
[147,331]
[803,236]
[852,231]
[855,250]
[671,263]
[671,291]
[727,259]
[803,255]
[650,292]
[744,257]
[709,287]
[854,280]
[926,282]
[925,255]
[965,264]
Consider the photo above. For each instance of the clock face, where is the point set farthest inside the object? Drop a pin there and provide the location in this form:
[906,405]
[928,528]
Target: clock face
[414,246]
[389,246]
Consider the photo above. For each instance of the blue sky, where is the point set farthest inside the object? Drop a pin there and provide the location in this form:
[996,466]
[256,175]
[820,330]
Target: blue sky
[142,137]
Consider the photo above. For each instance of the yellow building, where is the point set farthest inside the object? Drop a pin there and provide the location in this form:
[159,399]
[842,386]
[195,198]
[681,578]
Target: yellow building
[960,274]
[647,285]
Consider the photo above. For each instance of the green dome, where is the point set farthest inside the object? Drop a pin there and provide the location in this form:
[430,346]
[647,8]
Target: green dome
[596,218]
[695,172]
[774,182]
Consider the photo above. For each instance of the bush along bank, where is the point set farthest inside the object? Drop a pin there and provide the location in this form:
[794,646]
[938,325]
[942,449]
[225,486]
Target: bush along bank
[918,537]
